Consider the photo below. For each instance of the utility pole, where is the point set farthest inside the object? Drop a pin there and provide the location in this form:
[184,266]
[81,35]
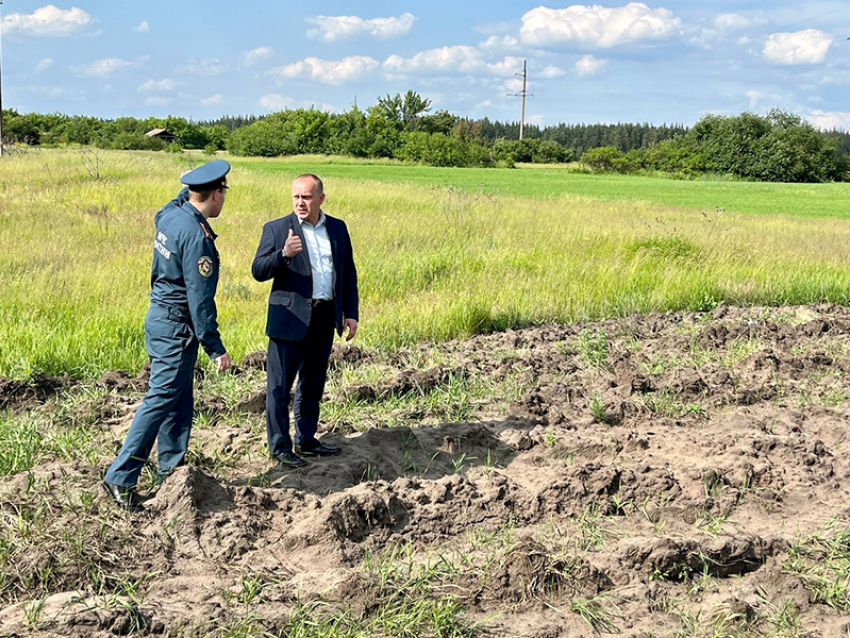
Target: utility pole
[1,81]
[522,94]
[522,116]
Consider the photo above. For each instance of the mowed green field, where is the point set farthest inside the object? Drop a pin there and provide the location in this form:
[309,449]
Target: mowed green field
[540,181]
[442,253]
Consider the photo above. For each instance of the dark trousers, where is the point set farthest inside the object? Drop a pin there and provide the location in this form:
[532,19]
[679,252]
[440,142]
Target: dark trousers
[308,360]
[165,415]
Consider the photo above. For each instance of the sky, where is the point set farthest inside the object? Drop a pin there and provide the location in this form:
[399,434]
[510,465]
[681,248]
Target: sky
[668,62]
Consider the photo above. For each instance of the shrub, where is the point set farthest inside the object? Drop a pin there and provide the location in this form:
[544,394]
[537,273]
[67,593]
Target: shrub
[438,149]
[262,138]
[607,159]
[550,152]
[133,142]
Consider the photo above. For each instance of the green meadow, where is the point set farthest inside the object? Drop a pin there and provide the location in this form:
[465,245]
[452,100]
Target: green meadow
[441,253]
[545,182]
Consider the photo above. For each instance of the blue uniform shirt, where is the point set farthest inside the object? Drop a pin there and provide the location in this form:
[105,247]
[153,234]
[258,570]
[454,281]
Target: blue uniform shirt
[184,272]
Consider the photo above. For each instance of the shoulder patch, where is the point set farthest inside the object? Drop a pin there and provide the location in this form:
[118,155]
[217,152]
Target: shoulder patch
[205,266]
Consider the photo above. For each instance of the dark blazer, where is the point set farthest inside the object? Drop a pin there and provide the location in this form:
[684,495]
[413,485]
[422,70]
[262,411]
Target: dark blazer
[292,285]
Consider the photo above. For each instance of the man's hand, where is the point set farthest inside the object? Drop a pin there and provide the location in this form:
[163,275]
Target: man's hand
[222,363]
[292,245]
[351,326]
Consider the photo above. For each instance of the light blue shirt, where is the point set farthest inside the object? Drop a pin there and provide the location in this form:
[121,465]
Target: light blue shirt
[321,257]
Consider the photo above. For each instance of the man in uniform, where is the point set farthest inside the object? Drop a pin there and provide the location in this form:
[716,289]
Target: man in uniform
[182,313]
[308,256]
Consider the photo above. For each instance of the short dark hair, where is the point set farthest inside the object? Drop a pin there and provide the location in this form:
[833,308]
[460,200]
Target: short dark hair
[201,196]
[315,178]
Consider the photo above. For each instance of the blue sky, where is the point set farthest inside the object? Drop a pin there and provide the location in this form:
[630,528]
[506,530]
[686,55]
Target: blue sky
[657,62]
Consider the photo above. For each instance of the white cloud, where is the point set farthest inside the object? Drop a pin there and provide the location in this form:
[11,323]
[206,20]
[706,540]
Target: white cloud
[829,120]
[143,27]
[47,21]
[460,58]
[587,66]
[504,43]
[213,99]
[755,97]
[155,100]
[331,28]
[509,66]
[275,102]
[249,58]
[596,26]
[551,72]
[514,85]
[205,67]
[715,31]
[731,21]
[802,47]
[153,85]
[107,67]
[328,71]
[45,64]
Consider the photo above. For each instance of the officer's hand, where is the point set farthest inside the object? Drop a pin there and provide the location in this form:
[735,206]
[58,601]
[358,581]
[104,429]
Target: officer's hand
[351,326]
[222,363]
[292,246]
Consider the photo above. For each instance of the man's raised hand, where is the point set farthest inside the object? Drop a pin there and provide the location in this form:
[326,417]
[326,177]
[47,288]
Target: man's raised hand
[292,245]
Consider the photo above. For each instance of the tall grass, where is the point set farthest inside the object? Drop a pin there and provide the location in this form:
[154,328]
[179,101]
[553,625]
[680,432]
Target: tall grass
[435,261]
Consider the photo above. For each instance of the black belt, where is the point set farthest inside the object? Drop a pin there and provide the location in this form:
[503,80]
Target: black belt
[321,303]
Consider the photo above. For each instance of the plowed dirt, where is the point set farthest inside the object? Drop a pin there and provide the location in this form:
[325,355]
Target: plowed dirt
[663,471]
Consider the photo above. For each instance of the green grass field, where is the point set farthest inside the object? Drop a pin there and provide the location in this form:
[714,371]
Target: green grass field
[547,183]
[442,253]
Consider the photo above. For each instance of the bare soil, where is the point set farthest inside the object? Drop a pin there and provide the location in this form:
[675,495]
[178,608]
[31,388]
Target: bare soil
[659,469]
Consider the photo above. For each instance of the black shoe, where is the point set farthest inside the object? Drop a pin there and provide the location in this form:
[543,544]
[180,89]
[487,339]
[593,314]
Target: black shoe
[318,449]
[289,460]
[124,497]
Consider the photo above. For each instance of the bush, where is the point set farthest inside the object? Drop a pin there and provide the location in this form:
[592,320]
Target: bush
[438,149]
[550,152]
[262,138]
[606,159]
[514,150]
[133,142]
[779,147]
[531,150]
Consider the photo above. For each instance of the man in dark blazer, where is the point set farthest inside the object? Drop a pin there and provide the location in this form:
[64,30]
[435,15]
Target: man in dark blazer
[308,257]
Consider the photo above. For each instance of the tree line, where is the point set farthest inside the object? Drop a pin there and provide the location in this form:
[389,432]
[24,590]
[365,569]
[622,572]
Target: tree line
[776,147]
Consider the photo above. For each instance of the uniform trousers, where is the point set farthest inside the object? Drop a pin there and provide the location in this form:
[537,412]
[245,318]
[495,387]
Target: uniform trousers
[165,415]
[308,360]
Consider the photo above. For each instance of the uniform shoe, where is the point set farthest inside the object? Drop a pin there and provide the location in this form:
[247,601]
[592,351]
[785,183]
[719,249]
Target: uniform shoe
[289,460]
[124,497]
[316,448]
